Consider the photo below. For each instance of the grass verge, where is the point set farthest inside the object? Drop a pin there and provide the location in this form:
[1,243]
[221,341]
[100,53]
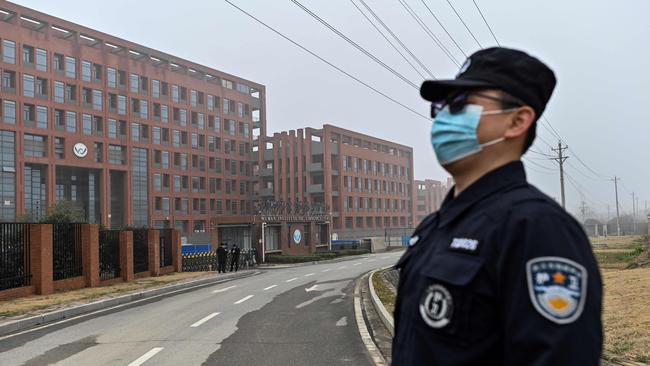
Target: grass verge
[384,292]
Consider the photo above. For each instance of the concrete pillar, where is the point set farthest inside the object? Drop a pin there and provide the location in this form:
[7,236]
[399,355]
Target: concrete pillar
[153,237]
[284,234]
[312,237]
[177,256]
[41,263]
[126,255]
[90,253]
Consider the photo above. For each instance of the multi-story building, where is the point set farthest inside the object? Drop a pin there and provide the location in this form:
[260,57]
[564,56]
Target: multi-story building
[364,182]
[430,194]
[131,135]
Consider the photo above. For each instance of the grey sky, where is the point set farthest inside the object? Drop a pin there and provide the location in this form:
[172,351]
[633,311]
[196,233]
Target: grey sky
[594,46]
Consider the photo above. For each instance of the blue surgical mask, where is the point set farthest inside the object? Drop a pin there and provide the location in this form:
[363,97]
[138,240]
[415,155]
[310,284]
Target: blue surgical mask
[453,136]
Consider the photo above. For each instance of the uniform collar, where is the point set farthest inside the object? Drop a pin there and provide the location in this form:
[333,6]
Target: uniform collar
[498,179]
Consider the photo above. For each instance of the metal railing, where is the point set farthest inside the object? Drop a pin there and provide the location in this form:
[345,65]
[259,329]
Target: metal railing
[140,250]
[109,254]
[66,251]
[165,247]
[14,256]
[208,261]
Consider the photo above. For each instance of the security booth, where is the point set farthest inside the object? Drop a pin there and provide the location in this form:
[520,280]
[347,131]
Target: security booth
[292,228]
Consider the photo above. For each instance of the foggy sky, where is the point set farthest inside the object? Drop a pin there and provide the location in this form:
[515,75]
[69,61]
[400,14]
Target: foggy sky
[598,50]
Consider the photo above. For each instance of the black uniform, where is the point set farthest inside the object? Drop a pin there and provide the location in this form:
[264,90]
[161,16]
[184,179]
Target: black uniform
[222,254]
[500,275]
[235,258]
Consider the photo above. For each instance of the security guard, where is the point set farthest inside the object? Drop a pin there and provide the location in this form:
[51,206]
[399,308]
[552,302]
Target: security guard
[501,274]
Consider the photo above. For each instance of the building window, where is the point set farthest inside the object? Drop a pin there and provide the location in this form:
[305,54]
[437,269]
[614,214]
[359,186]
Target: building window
[59,92]
[156,135]
[175,94]
[140,182]
[7,176]
[35,145]
[71,121]
[87,124]
[111,77]
[41,59]
[28,85]
[59,147]
[164,113]
[70,67]
[99,152]
[9,111]
[155,88]
[97,74]
[135,83]
[41,117]
[9,51]
[116,154]
[28,55]
[9,80]
[121,104]
[86,70]
[135,132]
[144,109]
[97,100]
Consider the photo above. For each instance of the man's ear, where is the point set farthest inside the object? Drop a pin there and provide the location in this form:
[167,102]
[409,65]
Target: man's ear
[520,122]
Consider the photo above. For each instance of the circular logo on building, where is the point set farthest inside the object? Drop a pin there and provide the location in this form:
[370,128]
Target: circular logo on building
[297,236]
[436,307]
[80,150]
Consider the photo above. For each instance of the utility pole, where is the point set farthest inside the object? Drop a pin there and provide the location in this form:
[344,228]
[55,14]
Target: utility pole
[560,160]
[633,214]
[618,219]
[583,210]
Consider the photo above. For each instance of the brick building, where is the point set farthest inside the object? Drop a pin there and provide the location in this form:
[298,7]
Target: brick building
[131,135]
[430,194]
[364,182]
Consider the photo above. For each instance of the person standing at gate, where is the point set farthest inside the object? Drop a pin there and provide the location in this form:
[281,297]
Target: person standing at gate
[235,258]
[222,253]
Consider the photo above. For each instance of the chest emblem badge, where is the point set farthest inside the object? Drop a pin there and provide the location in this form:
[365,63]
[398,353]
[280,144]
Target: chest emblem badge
[436,306]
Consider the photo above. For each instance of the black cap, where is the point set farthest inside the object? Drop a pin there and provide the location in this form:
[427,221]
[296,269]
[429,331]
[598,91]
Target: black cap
[512,71]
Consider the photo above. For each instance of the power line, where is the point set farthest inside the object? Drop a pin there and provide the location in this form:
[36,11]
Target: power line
[356,45]
[381,22]
[465,24]
[387,40]
[443,27]
[428,31]
[486,23]
[327,62]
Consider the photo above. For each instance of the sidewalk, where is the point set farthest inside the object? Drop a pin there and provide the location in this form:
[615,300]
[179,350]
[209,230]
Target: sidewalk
[22,313]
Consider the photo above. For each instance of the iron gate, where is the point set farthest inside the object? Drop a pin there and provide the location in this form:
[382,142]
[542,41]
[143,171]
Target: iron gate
[109,254]
[140,250]
[165,247]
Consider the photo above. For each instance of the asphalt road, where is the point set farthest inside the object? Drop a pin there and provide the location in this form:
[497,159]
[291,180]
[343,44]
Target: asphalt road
[293,316]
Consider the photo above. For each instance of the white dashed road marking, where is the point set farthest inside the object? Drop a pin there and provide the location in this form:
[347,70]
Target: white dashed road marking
[223,289]
[293,279]
[244,299]
[152,352]
[356,264]
[309,274]
[342,322]
[270,287]
[197,324]
[327,270]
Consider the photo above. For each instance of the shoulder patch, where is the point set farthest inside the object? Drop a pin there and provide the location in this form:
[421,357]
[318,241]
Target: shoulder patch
[557,288]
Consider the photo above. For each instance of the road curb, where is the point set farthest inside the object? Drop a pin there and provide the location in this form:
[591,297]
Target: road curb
[373,351]
[384,315]
[102,305]
[343,259]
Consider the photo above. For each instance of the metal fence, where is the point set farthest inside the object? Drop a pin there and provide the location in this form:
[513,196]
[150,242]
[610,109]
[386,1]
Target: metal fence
[140,250]
[165,247]
[14,255]
[208,261]
[397,236]
[66,254]
[109,254]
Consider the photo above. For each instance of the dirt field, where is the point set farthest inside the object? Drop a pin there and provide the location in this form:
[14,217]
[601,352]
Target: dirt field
[41,304]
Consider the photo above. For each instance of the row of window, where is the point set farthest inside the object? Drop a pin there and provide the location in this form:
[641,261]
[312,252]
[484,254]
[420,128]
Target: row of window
[357,184]
[372,222]
[93,72]
[365,166]
[200,206]
[375,204]
[367,145]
